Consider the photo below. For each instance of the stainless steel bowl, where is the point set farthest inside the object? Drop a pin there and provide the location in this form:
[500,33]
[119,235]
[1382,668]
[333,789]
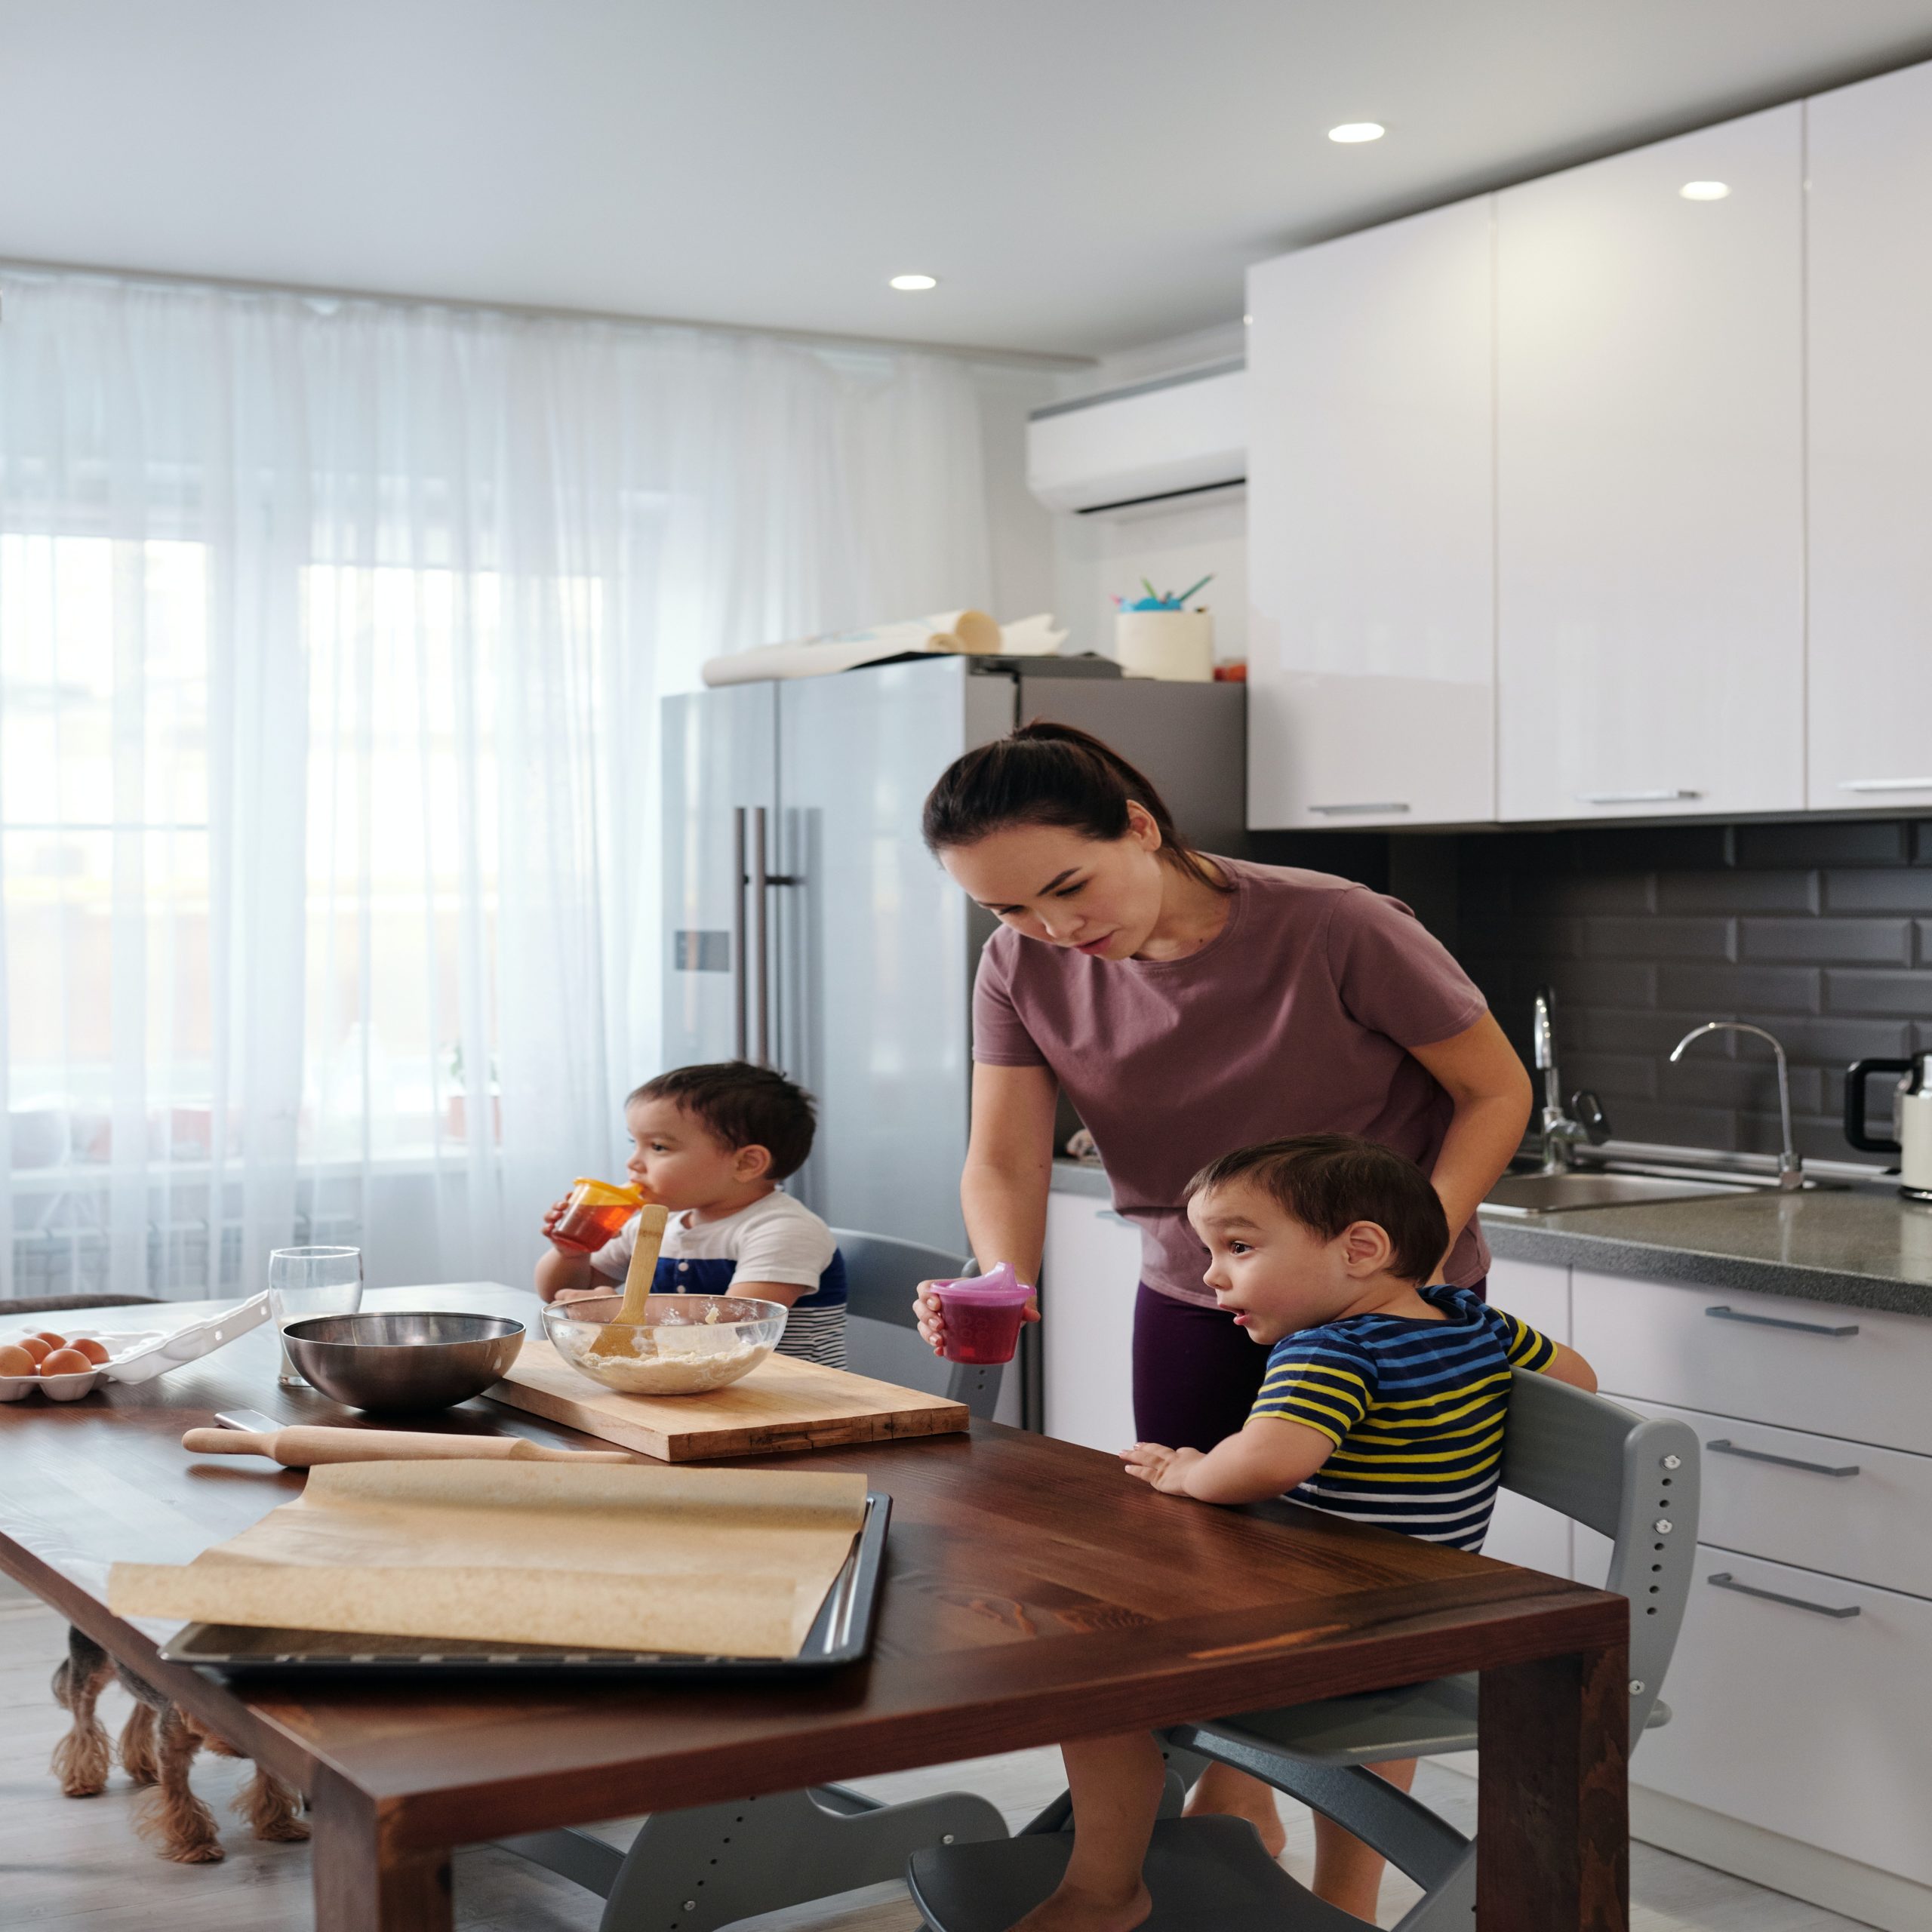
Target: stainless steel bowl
[392,1364]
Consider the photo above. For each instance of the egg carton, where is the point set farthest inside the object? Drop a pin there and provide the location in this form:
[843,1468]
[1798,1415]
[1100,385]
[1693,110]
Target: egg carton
[138,1354]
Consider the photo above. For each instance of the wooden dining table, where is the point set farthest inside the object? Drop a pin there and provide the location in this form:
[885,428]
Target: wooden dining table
[1033,1591]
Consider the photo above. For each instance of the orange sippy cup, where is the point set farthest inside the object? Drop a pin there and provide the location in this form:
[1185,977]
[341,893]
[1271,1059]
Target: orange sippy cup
[596,1214]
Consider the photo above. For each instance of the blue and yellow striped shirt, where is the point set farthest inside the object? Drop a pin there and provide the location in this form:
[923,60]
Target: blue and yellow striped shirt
[1415,1409]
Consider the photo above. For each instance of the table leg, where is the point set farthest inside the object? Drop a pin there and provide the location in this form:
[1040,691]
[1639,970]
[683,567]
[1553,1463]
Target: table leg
[1552,1836]
[363,1884]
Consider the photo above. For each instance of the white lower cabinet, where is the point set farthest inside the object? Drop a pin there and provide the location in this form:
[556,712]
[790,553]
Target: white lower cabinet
[1800,1691]
[1802,1703]
[1088,1276]
[1843,1508]
[1811,1365]
[1522,1532]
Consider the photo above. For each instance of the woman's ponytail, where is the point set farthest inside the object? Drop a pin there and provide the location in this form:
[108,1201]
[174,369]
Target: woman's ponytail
[1049,774]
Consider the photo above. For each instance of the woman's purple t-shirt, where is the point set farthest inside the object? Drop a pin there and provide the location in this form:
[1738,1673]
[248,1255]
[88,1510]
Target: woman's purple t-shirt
[1296,1018]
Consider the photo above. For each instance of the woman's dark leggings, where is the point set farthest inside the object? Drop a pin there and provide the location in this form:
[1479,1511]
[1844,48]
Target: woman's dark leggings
[1195,1374]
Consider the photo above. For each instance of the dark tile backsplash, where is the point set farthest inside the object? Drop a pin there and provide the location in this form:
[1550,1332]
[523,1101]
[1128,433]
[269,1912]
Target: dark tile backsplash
[1820,930]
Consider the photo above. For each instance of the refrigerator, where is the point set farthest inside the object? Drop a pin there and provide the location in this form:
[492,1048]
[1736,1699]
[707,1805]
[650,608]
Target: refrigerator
[809,928]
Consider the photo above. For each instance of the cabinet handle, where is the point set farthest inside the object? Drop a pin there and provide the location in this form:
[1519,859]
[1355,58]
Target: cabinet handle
[1346,811]
[1777,1321]
[1885,785]
[1665,797]
[1724,1580]
[1723,1448]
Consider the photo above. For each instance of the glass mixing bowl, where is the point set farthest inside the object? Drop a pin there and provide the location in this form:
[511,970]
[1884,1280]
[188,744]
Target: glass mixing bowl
[686,1345]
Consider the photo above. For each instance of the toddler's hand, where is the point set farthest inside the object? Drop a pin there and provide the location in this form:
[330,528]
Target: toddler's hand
[551,1215]
[564,1295]
[1161,1469]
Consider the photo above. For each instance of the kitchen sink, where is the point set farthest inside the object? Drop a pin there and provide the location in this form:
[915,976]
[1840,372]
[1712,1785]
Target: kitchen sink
[1525,1195]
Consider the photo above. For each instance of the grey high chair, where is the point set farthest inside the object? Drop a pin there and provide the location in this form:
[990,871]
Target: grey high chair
[1635,1480]
[714,1864]
[881,1273]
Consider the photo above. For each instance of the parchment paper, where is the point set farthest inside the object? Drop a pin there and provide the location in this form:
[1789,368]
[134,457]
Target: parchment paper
[732,1562]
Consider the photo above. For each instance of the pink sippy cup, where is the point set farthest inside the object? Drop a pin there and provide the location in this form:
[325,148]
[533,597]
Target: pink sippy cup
[982,1314]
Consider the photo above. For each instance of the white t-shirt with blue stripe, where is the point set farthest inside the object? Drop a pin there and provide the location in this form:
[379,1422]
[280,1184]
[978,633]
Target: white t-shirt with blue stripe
[775,1239]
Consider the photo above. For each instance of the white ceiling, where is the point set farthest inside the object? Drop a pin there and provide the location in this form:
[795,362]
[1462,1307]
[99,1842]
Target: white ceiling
[1082,174]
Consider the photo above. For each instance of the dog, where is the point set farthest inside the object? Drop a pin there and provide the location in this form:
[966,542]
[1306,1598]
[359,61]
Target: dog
[157,1750]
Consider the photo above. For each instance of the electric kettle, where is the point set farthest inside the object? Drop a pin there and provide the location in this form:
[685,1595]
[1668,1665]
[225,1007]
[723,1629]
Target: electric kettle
[1911,1118]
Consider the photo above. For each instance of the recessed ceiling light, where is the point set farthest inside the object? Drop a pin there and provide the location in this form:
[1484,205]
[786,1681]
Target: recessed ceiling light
[1247,321]
[910,283]
[1357,130]
[1705,191]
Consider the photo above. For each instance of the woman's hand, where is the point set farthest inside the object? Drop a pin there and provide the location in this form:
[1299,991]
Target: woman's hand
[932,1317]
[1161,1469]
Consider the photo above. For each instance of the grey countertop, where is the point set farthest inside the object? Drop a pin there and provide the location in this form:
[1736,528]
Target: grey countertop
[1087,1177]
[1864,1248]
[1861,1247]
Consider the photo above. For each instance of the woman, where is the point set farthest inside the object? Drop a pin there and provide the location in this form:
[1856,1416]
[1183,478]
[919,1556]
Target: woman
[1188,1005]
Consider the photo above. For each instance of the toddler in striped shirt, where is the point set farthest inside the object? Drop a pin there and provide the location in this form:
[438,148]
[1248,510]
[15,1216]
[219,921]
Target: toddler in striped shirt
[1384,1400]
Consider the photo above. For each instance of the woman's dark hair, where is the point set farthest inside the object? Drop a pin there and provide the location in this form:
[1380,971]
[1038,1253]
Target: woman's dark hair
[742,1106]
[1328,1182]
[1050,774]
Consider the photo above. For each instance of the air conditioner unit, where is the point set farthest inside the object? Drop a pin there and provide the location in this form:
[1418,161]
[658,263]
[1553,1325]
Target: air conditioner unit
[1177,437]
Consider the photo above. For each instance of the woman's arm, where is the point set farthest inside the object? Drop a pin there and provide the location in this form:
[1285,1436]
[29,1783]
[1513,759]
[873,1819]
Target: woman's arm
[1009,1169]
[1479,1069]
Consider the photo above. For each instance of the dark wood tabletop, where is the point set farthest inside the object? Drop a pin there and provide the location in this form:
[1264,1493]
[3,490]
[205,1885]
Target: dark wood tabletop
[1033,1591]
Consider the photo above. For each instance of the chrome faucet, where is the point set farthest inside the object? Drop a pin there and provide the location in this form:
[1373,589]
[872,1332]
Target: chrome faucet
[1790,1168]
[1560,1131]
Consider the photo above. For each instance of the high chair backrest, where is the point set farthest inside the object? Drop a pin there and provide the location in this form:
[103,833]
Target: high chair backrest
[1632,1478]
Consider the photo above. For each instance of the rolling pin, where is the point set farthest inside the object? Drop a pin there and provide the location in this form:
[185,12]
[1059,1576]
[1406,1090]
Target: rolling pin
[303,1448]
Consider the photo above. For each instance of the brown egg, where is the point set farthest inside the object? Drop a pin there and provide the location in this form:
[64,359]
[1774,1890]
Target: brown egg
[14,1360]
[52,1340]
[95,1352]
[36,1347]
[66,1361]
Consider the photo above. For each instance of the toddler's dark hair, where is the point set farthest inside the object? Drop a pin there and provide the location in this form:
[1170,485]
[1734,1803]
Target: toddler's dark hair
[1049,774]
[743,1105]
[1329,1181]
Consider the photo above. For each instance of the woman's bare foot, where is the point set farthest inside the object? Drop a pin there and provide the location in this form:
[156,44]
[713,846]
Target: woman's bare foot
[1225,1792]
[1069,1910]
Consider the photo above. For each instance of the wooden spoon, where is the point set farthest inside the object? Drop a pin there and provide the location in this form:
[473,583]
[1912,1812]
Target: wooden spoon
[637,1278]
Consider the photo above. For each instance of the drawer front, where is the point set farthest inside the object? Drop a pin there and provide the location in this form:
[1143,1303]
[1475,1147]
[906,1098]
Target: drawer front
[1778,1494]
[1839,1371]
[1816,1726]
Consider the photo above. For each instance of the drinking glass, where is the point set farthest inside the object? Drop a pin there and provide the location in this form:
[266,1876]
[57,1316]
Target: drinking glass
[304,1281]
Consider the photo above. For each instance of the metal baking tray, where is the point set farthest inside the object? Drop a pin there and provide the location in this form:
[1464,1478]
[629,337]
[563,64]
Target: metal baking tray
[840,1635]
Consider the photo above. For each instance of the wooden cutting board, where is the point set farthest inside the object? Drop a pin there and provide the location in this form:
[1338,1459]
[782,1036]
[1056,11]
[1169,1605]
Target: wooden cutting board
[783,1405]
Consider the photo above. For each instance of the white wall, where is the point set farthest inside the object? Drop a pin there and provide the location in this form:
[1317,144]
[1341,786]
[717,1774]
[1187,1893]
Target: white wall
[1098,558]
[1019,532]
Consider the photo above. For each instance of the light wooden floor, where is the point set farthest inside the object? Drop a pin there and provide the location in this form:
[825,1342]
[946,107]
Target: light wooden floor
[76,1866]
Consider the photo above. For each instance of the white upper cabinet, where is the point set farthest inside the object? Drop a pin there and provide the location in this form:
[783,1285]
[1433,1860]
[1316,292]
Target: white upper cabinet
[1650,543]
[1371,629]
[1869,312]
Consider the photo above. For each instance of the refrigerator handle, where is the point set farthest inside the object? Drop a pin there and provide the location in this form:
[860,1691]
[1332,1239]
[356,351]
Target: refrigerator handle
[740,969]
[762,923]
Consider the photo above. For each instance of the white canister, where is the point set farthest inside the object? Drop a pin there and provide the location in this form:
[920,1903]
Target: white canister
[1166,644]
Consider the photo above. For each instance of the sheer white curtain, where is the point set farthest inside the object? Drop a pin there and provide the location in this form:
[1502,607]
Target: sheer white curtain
[331,635]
